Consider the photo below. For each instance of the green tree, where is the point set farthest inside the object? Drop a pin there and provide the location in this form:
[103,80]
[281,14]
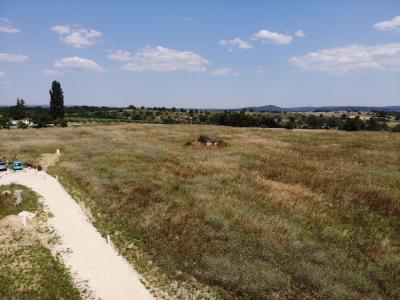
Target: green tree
[5,121]
[56,100]
[314,121]
[396,128]
[375,124]
[352,124]
[22,125]
[333,122]
[41,118]
[18,111]
[290,125]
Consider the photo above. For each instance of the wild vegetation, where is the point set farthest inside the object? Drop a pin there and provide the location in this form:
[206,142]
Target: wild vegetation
[273,213]
[350,120]
[28,270]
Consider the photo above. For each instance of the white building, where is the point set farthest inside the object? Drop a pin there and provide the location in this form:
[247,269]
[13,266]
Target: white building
[27,122]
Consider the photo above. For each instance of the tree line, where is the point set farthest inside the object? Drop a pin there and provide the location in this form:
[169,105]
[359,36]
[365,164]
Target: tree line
[39,116]
[58,114]
[376,121]
[242,119]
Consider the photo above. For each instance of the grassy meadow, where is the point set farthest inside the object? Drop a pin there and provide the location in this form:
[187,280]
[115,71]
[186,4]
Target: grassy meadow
[271,214]
[28,270]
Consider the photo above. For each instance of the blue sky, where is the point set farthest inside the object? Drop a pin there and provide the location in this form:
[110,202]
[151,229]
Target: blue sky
[202,53]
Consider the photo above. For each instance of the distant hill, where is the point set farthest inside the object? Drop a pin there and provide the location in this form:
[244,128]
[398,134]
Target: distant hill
[324,108]
[267,108]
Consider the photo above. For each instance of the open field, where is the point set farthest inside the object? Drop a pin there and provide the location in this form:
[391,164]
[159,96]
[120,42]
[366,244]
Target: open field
[28,270]
[273,213]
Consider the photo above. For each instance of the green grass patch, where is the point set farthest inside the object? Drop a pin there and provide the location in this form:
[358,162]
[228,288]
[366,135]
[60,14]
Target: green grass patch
[28,270]
[31,272]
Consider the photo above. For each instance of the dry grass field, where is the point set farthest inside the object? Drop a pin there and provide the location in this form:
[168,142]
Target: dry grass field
[273,213]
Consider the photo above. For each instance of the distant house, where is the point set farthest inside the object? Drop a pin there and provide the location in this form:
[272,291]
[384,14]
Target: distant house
[27,122]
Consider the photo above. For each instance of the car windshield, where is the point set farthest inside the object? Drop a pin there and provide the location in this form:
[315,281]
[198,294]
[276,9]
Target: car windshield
[18,164]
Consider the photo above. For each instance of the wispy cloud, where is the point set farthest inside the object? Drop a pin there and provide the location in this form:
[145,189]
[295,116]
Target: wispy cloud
[276,38]
[236,42]
[7,27]
[260,71]
[300,33]
[77,37]
[3,78]
[120,55]
[393,24]
[61,29]
[343,60]
[75,64]
[13,58]
[160,59]
[51,72]
[225,71]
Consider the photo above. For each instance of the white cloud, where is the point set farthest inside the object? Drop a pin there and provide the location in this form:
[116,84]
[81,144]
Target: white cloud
[342,60]
[77,37]
[275,37]
[3,78]
[61,29]
[120,55]
[300,33]
[260,70]
[18,58]
[239,43]
[225,71]
[393,24]
[74,63]
[160,59]
[51,72]
[7,27]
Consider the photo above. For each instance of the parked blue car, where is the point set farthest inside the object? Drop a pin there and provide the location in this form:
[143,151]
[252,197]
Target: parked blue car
[17,165]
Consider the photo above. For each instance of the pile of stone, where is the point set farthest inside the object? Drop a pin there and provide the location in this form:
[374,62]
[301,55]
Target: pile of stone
[209,141]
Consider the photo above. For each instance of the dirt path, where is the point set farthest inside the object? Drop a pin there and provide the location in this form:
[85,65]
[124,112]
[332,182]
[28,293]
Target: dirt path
[109,275]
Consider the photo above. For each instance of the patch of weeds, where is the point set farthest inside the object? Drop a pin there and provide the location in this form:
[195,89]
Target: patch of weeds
[31,272]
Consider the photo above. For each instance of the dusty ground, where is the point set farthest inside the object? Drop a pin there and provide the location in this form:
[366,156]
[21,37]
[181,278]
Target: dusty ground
[48,159]
[90,257]
[28,270]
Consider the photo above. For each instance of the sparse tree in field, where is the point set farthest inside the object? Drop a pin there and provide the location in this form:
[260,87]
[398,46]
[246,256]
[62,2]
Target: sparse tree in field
[126,114]
[396,128]
[22,125]
[41,118]
[376,124]
[313,121]
[5,121]
[18,111]
[352,124]
[333,122]
[56,101]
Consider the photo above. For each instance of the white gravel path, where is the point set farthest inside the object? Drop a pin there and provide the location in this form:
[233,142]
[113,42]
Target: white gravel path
[109,275]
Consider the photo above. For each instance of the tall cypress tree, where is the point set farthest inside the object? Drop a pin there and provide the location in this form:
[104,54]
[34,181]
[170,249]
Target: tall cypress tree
[56,100]
[18,112]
